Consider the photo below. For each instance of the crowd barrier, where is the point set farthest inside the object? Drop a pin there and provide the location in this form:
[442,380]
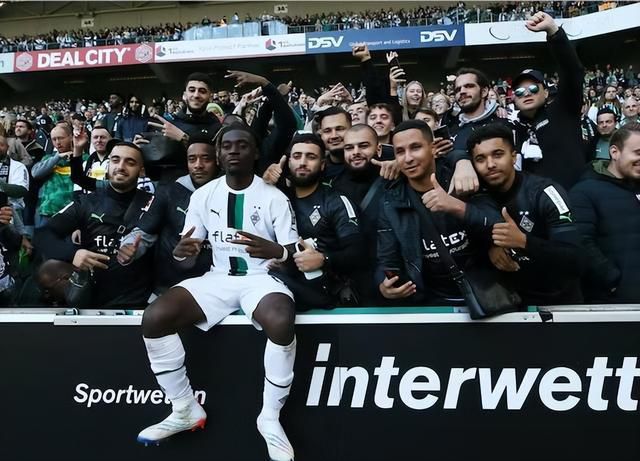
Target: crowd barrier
[371,385]
[216,43]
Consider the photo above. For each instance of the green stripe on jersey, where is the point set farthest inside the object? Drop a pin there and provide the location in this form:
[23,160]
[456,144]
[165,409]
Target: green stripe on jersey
[235,211]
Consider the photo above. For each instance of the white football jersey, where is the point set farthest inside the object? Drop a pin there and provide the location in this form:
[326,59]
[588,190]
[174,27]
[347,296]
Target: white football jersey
[217,212]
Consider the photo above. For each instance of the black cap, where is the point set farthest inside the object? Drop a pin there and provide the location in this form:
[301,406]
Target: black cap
[532,74]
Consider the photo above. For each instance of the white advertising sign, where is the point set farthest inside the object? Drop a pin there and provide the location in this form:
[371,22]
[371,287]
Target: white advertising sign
[224,48]
[498,33]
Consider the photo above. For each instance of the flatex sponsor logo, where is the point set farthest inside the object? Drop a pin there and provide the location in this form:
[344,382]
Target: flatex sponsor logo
[92,396]
[420,388]
[428,36]
[324,42]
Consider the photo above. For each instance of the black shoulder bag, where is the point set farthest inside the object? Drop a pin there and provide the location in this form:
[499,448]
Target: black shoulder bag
[484,289]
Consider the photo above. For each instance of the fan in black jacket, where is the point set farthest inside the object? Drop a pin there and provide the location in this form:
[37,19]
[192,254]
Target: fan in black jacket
[607,212]
[549,135]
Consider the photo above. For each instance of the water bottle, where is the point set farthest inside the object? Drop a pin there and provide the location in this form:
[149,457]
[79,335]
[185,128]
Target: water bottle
[311,274]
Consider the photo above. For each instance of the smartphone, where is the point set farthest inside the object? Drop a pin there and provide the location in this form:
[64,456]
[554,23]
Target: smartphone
[442,132]
[4,199]
[391,272]
[394,62]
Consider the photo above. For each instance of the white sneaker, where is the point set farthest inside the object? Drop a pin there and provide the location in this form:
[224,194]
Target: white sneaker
[188,418]
[278,444]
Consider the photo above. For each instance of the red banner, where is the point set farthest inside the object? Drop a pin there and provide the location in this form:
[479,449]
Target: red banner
[73,58]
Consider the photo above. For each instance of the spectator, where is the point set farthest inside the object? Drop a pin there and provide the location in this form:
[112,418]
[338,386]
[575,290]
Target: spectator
[110,120]
[608,224]
[54,172]
[332,124]
[133,121]
[609,100]
[409,267]
[428,116]
[163,222]
[630,111]
[43,120]
[548,133]
[362,183]
[538,244]
[413,98]
[606,126]
[10,240]
[381,120]
[193,119]
[103,218]
[328,223]
[224,101]
[85,175]
[359,112]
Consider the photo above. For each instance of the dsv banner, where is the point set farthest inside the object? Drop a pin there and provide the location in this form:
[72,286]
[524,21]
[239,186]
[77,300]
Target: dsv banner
[376,392]
[385,39]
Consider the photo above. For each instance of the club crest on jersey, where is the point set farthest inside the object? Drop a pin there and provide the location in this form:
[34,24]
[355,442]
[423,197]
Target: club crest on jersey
[255,217]
[315,217]
[526,223]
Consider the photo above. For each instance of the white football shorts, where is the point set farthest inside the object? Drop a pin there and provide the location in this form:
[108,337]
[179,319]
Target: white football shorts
[220,295]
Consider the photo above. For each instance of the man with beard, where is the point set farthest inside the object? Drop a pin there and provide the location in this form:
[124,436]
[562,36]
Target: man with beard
[248,223]
[194,119]
[103,218]
[327,221]
[361,183]
[162,223]
[24,132]
[607,212]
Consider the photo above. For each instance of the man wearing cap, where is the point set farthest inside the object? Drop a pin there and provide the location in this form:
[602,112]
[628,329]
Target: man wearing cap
[548,135]
[103,218]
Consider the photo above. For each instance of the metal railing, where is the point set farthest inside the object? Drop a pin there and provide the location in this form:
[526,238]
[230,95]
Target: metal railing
[457,16]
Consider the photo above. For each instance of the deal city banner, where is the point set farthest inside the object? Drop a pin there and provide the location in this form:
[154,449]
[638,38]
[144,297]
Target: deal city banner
[376,389]
[391,38]
[73,58]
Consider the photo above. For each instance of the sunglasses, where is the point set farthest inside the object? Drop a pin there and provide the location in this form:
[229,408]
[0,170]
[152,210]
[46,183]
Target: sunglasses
[520,92]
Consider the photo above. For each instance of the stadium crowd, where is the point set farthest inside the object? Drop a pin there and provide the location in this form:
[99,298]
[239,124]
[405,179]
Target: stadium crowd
[534,175]
[369,19]
[277,199]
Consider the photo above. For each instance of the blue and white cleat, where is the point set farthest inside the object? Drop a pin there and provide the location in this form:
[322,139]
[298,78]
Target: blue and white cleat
[278,444]
[189,418]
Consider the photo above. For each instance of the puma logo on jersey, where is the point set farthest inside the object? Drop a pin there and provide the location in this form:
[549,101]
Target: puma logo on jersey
[215,212]
[97,217]
[184,212]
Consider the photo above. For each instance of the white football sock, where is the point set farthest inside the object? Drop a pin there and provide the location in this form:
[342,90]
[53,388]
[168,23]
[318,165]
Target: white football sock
[278,373]
[166,355]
